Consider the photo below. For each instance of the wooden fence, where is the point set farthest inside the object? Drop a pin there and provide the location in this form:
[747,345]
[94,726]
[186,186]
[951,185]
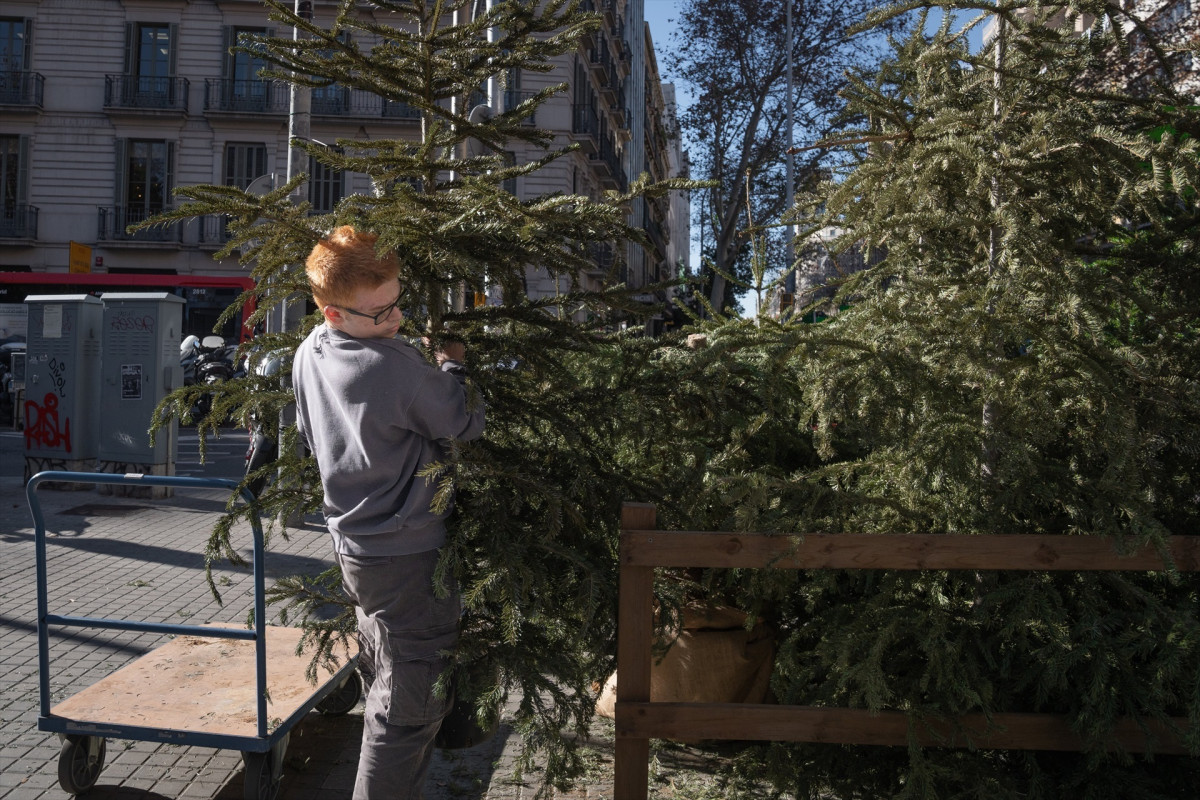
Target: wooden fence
[643,548]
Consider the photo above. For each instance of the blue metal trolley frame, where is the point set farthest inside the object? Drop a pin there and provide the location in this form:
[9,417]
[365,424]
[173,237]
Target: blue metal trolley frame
[84,748]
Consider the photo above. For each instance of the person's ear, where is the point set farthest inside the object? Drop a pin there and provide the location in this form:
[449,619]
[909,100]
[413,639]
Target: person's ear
[333,314]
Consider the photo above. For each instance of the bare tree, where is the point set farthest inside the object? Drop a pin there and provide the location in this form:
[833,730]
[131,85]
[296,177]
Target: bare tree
[735,52]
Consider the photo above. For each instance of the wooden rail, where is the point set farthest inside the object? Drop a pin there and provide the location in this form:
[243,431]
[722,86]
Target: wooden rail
[638,719]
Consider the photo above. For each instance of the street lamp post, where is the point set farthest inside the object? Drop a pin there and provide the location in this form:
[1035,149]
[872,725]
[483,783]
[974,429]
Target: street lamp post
[299,129]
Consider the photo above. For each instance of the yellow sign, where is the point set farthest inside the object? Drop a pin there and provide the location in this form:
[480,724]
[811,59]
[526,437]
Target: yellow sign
[81,257]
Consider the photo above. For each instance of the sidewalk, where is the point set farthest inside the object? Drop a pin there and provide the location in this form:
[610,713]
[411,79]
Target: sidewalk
[133,558]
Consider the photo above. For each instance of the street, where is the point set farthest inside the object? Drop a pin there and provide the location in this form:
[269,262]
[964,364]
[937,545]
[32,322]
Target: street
[225,455]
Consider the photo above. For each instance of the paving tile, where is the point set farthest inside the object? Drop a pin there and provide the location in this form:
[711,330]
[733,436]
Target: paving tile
[148,565]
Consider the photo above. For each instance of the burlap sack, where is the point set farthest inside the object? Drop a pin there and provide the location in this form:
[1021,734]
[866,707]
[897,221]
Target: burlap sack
[712,659]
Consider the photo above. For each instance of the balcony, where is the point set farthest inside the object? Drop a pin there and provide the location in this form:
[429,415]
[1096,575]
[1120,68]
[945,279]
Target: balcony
[610,84]
[599,58]
[514,98]
[114,220]
[21,89]
[620,113]
[213,233]
[609,7]
[139,93]
[19,221]
[335,101]
[398,109]
[658,237]
[342,101]
[246,96]
[585,125]
[602,255]
[609,169]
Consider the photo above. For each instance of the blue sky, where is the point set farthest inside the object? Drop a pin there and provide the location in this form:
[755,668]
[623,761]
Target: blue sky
[657,13]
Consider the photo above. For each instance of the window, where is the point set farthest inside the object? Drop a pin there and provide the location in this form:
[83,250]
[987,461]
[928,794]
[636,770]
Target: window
[510,184]
[14,59]
[10,185]
[239,65]
[326,186]
[153,52]
[244,162]
[150,65]
[17,218]
[244,90]
[14,44]
[332,100]
[146,180]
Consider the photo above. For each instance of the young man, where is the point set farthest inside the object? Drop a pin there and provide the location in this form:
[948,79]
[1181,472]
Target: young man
[374,412]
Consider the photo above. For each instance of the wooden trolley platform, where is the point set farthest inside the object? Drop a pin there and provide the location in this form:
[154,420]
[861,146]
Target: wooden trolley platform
[208,686]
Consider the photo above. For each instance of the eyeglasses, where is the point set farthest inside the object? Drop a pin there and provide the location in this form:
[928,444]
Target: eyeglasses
[382,316]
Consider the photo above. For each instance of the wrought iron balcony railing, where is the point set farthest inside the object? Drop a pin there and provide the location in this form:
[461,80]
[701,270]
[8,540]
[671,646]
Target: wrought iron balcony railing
[611,172]
[145,93]
[602,256]
[246,96]
[398,109]
[114,221]
[21,88]
[18,221]
[213,231]
[514,98]
[584,119]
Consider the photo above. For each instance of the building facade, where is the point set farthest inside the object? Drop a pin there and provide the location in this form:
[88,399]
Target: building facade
[107,105]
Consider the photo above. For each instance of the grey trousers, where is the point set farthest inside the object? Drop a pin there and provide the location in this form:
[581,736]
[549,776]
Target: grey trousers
[402,629]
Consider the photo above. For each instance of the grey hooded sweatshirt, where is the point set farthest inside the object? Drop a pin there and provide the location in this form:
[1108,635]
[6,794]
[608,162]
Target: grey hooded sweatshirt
[375,413]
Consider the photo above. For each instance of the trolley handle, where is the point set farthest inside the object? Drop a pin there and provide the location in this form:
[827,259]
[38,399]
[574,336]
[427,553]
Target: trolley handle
[45,618]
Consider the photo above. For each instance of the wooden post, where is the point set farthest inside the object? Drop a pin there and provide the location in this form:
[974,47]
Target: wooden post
[635,629]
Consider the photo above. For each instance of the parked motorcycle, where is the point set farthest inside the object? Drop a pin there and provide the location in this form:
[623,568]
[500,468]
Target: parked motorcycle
[189,348]
[264,429]
[206,361]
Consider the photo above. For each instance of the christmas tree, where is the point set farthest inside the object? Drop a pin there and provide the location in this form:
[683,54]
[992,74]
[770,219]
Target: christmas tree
[532,538]
[1021,359]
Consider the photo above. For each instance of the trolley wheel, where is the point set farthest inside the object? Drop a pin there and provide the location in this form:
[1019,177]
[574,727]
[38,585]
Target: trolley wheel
[264,772]
[344,698]
[80,762]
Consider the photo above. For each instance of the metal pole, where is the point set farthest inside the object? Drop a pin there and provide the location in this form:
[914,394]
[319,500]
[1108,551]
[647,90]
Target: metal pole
[299,129]
[790,234]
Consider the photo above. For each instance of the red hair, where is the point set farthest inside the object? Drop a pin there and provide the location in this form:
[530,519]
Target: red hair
[344,262]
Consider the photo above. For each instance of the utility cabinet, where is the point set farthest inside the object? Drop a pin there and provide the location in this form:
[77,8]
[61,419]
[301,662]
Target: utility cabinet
[62,383]
[140,366]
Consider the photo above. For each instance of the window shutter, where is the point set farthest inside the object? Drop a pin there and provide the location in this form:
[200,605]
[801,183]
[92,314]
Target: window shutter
[262,62]
[121,172]
[169,200]
[27,52]
[226,56]
[173,48]
[23,169]
[130,48]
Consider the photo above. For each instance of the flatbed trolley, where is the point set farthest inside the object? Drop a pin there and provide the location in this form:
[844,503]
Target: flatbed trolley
[207,687]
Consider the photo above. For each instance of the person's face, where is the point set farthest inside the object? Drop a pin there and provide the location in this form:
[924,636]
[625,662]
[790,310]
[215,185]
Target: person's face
[374,314]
